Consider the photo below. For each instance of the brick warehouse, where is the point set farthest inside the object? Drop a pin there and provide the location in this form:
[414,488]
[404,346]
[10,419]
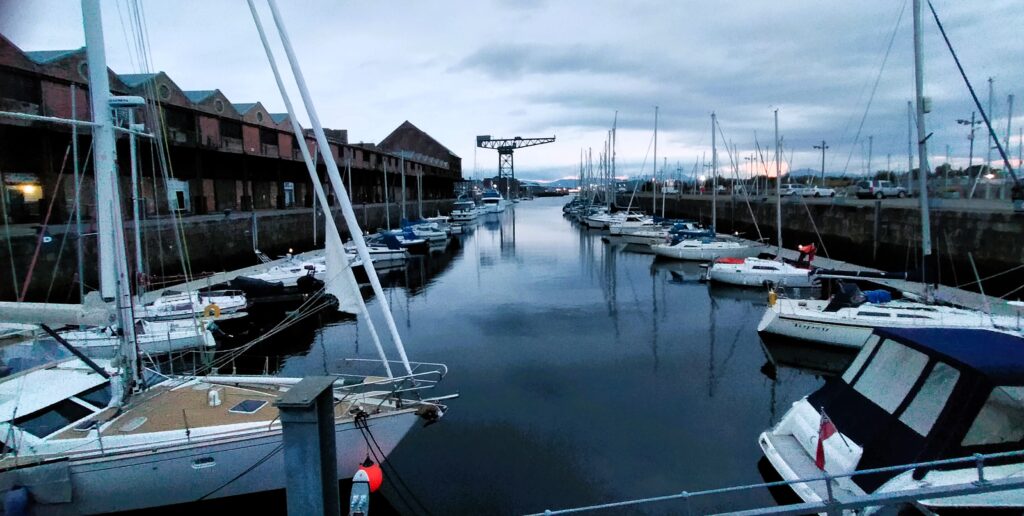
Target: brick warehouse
[222,155]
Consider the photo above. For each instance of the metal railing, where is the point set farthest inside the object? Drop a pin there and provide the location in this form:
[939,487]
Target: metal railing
[833,506]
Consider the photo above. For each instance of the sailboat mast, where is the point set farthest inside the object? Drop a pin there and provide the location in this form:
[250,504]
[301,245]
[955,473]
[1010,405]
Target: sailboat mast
[910,147]
[922,144]
[615,122]
[714,177]
[778,185]
[110,228]
[401,165]
[387,207]
[654,192]
[103,158]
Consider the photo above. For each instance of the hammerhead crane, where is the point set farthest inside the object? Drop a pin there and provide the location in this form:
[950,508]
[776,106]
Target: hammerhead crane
[505,147]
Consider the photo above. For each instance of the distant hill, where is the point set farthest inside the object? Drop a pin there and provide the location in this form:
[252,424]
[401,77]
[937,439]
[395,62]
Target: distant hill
[560,183]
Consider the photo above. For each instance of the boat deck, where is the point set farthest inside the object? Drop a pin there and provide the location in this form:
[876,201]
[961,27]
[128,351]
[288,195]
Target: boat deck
[171,408]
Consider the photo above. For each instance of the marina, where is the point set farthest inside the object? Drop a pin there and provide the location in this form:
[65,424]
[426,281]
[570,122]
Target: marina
[211,306]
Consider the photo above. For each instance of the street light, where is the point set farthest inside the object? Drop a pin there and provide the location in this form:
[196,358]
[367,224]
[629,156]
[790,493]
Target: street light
[822,147]
[972,123]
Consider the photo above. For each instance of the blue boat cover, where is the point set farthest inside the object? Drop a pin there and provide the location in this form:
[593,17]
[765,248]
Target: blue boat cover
[997,355]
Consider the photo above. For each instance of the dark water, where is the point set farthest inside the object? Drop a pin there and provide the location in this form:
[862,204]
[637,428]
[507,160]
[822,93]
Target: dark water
[587,373]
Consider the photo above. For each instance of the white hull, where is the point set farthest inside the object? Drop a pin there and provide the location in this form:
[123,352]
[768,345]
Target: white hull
[158,338]
[850,327]
[696,250]
[768,272]
[193,304]
[166,475]
[644,238]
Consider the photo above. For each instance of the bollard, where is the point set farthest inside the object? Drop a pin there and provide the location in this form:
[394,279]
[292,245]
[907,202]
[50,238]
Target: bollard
[311,464]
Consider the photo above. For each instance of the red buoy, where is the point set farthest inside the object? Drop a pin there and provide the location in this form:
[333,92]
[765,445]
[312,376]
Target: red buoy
[374,473]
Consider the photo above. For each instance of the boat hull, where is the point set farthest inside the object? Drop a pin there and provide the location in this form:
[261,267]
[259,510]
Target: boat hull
[703,253]
[170,475]
[748,279]
[776,324]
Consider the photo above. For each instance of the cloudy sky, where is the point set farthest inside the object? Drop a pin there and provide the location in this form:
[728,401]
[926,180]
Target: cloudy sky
[544,67]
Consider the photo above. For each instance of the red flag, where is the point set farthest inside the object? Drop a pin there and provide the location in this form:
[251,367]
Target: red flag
[825,431]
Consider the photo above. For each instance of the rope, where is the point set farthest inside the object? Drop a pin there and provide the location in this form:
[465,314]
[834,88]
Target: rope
[7,234]
[42,230]
[67,229]
[383,460]
[874,88]
[984,116]
[244,472]
[746,198]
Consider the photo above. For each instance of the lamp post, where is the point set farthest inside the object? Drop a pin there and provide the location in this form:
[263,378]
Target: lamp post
[972,123]
[822,147]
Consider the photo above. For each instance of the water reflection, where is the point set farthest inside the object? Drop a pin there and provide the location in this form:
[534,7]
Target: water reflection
[576,360]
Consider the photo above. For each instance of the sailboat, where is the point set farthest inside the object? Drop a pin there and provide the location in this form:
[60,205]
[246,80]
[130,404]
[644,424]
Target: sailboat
[712,247]
[750,272]
[88,437]
[850,316]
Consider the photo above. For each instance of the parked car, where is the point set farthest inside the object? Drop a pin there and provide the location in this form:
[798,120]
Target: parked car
[818,191]
[879,189]
[792,189]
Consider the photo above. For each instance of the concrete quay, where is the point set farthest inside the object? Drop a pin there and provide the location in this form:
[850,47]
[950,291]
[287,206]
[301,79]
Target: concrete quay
[883,235]
[208,243]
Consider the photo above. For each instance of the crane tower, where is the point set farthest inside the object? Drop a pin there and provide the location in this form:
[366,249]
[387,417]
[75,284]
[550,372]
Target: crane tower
[505,147]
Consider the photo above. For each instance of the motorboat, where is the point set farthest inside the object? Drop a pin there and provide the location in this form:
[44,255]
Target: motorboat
[291,271]
[911,395]
[464,211]
[848,318]
[492,201]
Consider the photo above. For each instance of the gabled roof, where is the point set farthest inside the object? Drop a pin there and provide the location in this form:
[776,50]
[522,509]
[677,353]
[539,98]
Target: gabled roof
[133,80]
[199,95]
[996,355]
[408,137]
[244,107]
[279,117]
[49,56]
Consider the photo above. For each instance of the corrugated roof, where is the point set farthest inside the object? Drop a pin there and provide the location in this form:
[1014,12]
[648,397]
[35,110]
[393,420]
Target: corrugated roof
[134,79]
[244,107]
[199,95]
[49,56]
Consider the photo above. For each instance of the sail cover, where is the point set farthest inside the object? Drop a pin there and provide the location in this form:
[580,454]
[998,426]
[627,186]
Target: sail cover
[339,280]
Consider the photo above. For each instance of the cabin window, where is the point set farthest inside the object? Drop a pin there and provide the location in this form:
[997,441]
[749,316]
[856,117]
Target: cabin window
[47,421]
[858,362]
[873,314]
[98,396]
[922,412]
[764,268]
[1001,420]
[889,376]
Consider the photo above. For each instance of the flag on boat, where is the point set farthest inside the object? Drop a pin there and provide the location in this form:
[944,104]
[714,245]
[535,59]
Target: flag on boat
[825,430]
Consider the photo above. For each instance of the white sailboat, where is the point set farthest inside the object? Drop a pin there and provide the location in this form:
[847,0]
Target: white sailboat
[86,437]
[757,272]
[848,318]
[708,248]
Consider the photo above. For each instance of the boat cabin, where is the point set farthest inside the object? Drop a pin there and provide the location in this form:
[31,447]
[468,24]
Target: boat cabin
[915,395]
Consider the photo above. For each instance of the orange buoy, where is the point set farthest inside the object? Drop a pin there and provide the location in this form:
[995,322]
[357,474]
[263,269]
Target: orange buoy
[373,473]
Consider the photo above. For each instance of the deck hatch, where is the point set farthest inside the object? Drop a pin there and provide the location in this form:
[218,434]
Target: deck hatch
[248,406]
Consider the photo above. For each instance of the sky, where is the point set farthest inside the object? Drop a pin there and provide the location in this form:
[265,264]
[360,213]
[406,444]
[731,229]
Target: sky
[535,68]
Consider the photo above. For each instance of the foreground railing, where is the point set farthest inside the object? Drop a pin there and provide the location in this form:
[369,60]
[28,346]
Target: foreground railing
[833,506]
